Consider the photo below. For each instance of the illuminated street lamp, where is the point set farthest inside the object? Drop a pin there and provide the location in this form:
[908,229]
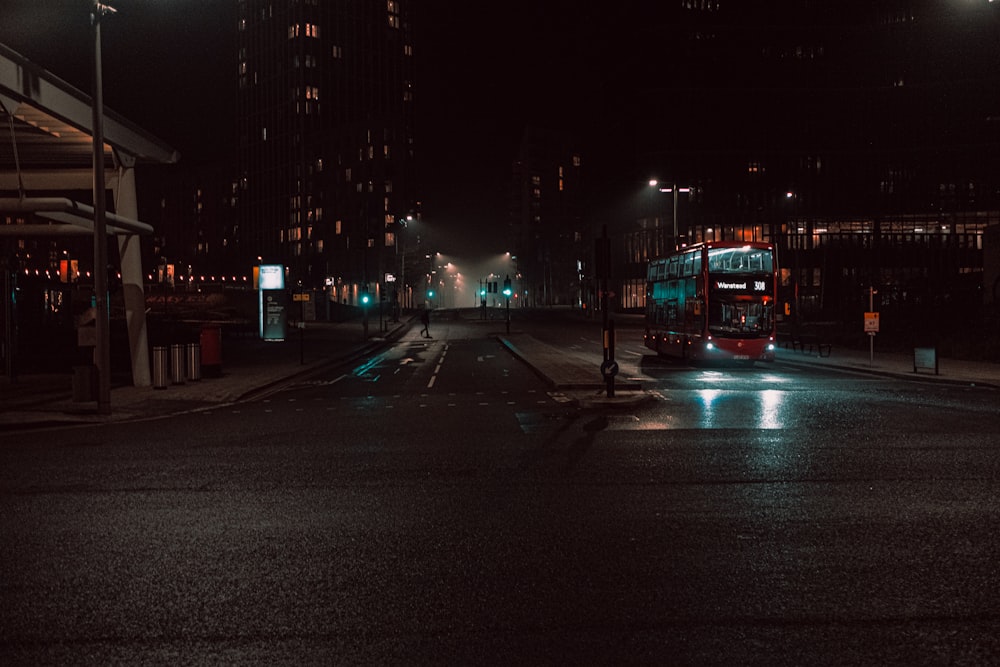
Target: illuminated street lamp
[102,355]
[653,183]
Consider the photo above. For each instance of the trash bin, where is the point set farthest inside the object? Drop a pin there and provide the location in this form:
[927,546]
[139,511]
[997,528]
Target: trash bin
[84,383]
[177,363]
[193,362]
[160,367]
[211,350]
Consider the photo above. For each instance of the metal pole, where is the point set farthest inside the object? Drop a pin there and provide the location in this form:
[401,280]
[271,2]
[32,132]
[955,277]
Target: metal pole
[102,353]
[676,244]
[871,334]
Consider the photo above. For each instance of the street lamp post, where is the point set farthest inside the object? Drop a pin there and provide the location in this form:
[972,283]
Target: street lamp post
[674,190]
[102,351]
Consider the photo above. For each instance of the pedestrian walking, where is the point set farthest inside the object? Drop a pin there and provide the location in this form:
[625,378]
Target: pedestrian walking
[425,319]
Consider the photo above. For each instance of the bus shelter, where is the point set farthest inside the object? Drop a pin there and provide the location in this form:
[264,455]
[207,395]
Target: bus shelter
[46,163]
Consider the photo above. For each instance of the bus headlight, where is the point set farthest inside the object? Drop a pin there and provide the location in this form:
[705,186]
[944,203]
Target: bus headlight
[770,347]
[709,346]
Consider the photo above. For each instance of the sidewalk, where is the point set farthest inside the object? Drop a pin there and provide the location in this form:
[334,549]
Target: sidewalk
[250,366]
[954,371]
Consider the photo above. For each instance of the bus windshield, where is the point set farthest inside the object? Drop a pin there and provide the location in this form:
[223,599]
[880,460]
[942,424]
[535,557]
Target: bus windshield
[739,318]
[739,260]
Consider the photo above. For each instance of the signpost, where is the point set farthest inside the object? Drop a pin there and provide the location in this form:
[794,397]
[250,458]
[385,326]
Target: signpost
[602,271]
[871,325]
[302,298]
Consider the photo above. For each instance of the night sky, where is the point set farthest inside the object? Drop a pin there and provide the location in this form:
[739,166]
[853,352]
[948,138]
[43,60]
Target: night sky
[482,75]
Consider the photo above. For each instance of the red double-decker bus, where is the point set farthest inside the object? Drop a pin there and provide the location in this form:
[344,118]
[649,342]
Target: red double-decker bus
[713,301]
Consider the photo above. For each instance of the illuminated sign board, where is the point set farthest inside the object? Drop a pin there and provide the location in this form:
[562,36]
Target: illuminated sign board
[741,285]
[272,276]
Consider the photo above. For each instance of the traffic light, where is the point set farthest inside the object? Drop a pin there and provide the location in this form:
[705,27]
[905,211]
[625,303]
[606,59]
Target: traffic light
[430,294]
[365,298]
[506,287]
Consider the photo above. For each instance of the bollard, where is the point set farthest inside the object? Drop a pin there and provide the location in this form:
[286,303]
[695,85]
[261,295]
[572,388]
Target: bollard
[84,383]
[193,362]
[177,363]
[159,367]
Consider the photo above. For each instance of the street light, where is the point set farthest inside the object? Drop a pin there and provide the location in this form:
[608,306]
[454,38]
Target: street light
[102,351]
[653,183]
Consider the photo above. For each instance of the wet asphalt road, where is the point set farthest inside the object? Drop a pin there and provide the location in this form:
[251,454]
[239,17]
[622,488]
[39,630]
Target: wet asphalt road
[439,504]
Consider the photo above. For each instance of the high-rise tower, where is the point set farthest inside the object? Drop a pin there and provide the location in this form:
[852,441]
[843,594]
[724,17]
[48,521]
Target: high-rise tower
[325,137]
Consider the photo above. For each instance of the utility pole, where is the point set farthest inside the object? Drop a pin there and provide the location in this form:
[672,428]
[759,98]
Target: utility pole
[102,352]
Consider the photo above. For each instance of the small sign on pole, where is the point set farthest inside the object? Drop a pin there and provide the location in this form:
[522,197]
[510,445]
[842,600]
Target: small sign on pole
[871,323]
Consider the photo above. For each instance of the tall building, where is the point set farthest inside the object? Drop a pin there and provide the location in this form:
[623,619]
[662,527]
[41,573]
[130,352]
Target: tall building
[547,234]
[325,139]
[861,137]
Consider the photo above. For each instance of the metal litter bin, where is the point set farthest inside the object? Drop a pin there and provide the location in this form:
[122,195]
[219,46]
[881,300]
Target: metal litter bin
[211,350]
[160,366]
[193,362]
[177,363]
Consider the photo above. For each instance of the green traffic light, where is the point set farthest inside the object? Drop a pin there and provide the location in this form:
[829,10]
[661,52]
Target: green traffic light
[365,299]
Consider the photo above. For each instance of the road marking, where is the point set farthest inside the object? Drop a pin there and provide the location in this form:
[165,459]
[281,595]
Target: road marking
[437,369]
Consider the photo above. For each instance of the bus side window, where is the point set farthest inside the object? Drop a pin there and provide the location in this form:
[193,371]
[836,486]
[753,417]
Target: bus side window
[689,261]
